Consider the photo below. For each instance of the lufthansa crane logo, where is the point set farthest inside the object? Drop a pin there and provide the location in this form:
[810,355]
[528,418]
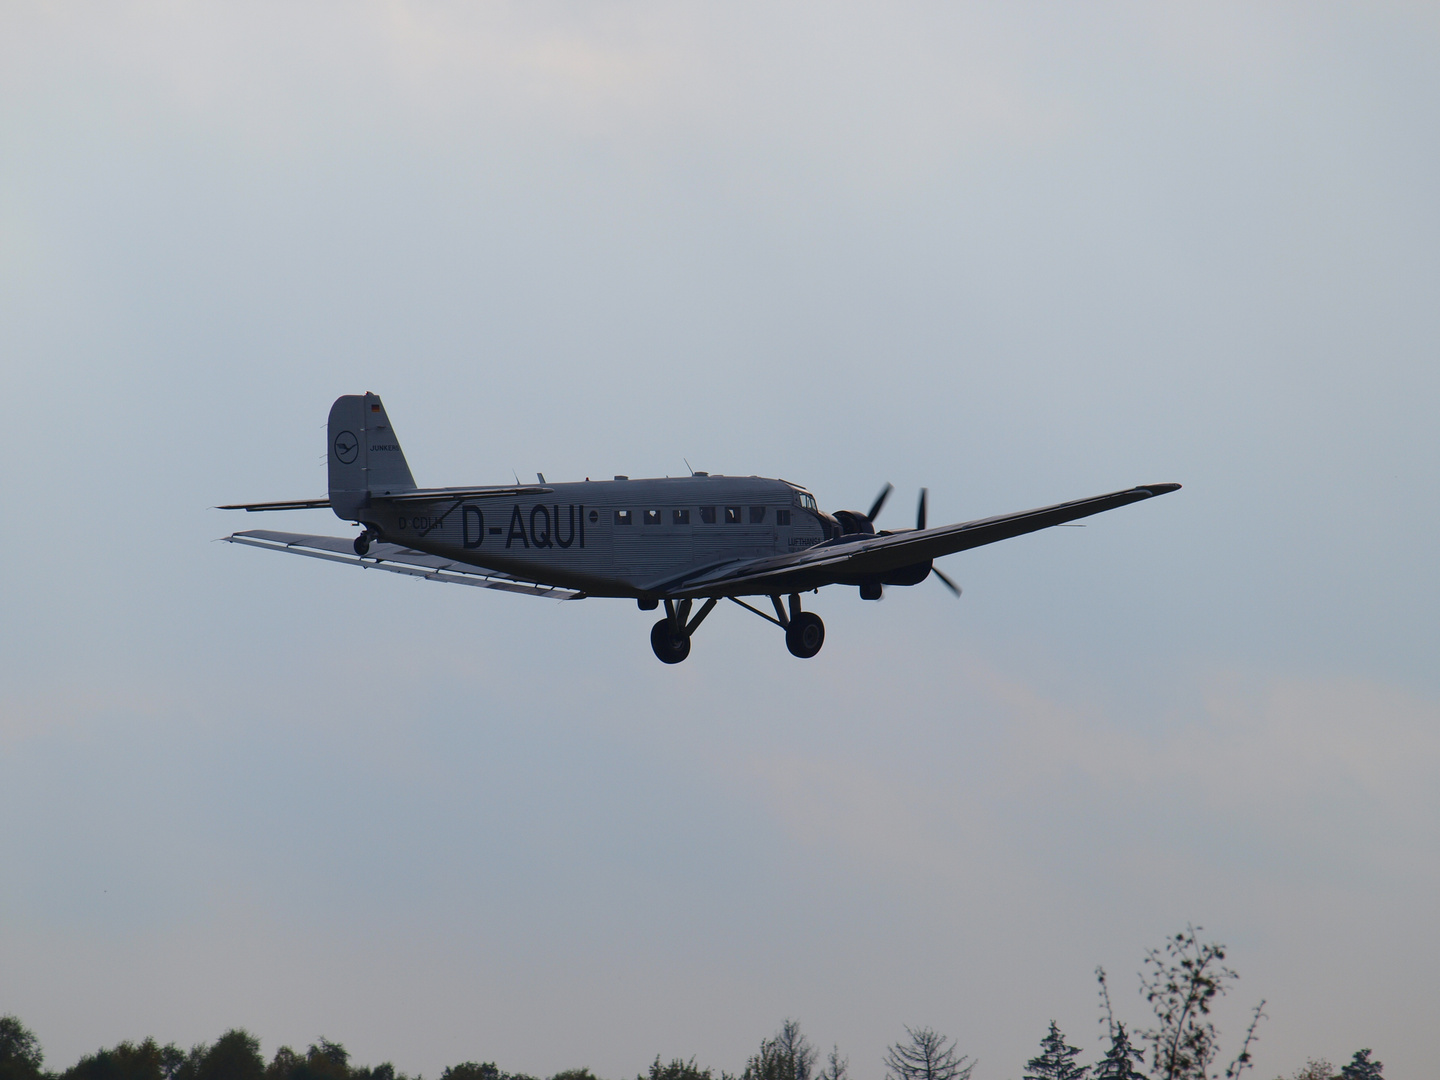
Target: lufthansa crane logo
[347,447]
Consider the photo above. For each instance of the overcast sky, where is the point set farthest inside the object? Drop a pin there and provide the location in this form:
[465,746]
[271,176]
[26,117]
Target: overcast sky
[1016,254]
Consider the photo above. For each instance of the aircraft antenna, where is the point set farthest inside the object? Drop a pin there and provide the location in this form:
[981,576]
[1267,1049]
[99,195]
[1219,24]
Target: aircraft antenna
[688,465]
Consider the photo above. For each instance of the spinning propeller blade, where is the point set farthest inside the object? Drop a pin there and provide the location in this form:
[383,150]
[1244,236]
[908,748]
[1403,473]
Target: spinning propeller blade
[920,514]
[948,583]
[880,500]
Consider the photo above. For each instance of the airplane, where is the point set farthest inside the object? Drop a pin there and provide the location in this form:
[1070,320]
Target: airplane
[671,541]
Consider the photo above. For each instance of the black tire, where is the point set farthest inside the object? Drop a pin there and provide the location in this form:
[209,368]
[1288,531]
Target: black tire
[670,647]
[362,544]
[805,635]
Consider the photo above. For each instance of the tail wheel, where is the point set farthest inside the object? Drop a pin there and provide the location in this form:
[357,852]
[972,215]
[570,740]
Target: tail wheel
[669,646]
[804,635]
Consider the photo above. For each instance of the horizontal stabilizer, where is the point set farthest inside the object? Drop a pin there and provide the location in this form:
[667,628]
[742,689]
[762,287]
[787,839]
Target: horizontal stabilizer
[292,504]
[397,560]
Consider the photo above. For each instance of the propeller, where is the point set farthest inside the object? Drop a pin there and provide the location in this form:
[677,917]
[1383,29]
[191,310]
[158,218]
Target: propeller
[853,522]
[946,581]
[920,524]
[880,500]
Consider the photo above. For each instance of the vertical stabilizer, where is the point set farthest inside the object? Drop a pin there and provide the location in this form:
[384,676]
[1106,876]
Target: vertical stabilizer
[365,456]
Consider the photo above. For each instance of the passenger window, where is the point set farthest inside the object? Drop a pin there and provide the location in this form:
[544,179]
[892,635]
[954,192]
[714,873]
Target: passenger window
[782,517]
[652,517]
[732,515]
[757,515]
[622,517]
[707,515]
[680,517]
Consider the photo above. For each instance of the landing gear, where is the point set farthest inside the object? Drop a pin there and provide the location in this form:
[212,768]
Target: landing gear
[805,635]
[804,632]
[670,637]
[669,646]
[363,541]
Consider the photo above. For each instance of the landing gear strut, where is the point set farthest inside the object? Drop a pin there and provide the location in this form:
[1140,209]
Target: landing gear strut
[670,637]
[804,632]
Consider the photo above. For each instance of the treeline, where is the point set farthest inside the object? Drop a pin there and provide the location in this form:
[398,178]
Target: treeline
[1180,982]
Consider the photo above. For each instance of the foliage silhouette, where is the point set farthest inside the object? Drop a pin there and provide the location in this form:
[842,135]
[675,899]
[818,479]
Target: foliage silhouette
[1056,1060]
[926,1057]
[20,1055]
[1121,1061]
[678,1069]
[787,1056]
[1362,1068]
[1180,982]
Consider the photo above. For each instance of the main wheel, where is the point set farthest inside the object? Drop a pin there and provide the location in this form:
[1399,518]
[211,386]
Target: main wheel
[362,543]
[669,646]
[805,635]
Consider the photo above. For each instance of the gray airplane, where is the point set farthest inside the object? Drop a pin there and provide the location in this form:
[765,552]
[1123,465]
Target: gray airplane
[672,541]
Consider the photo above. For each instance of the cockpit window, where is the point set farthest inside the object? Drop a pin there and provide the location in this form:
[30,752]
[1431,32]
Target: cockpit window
[806,501]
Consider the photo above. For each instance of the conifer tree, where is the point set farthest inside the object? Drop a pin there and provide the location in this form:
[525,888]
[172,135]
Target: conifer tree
[1056,1060]
[1362,1068]
[1121,1061]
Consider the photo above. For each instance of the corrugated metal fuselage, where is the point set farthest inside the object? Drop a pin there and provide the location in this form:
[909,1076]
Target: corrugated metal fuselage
[611,537]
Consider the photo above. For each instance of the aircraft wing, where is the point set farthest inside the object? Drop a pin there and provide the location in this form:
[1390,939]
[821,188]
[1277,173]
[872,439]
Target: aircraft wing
[397,560]
[876,554]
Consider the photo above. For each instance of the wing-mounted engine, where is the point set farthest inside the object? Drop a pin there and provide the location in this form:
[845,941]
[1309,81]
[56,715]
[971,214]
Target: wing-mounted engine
[854,523]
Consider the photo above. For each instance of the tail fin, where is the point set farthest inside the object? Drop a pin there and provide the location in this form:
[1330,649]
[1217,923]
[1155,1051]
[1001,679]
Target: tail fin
[365,456]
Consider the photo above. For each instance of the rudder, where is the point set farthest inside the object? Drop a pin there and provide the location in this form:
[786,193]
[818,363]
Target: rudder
[364,455]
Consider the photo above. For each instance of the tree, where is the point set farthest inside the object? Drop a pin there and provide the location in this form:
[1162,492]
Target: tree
[1056,1060]
[926,1057]
[468,1070]
[148,1061]
[836,1067]
[235,1056]
[1121,1060]
[1362,1068]
[1315,1070]
[788,1056]
[678,1069]
[1181,981]
[20,1055]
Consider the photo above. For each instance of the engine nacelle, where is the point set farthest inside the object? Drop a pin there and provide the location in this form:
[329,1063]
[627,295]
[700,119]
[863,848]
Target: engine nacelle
[853,522]
[908,575]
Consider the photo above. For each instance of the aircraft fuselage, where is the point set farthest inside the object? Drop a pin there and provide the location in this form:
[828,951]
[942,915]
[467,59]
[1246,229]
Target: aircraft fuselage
[617,537]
